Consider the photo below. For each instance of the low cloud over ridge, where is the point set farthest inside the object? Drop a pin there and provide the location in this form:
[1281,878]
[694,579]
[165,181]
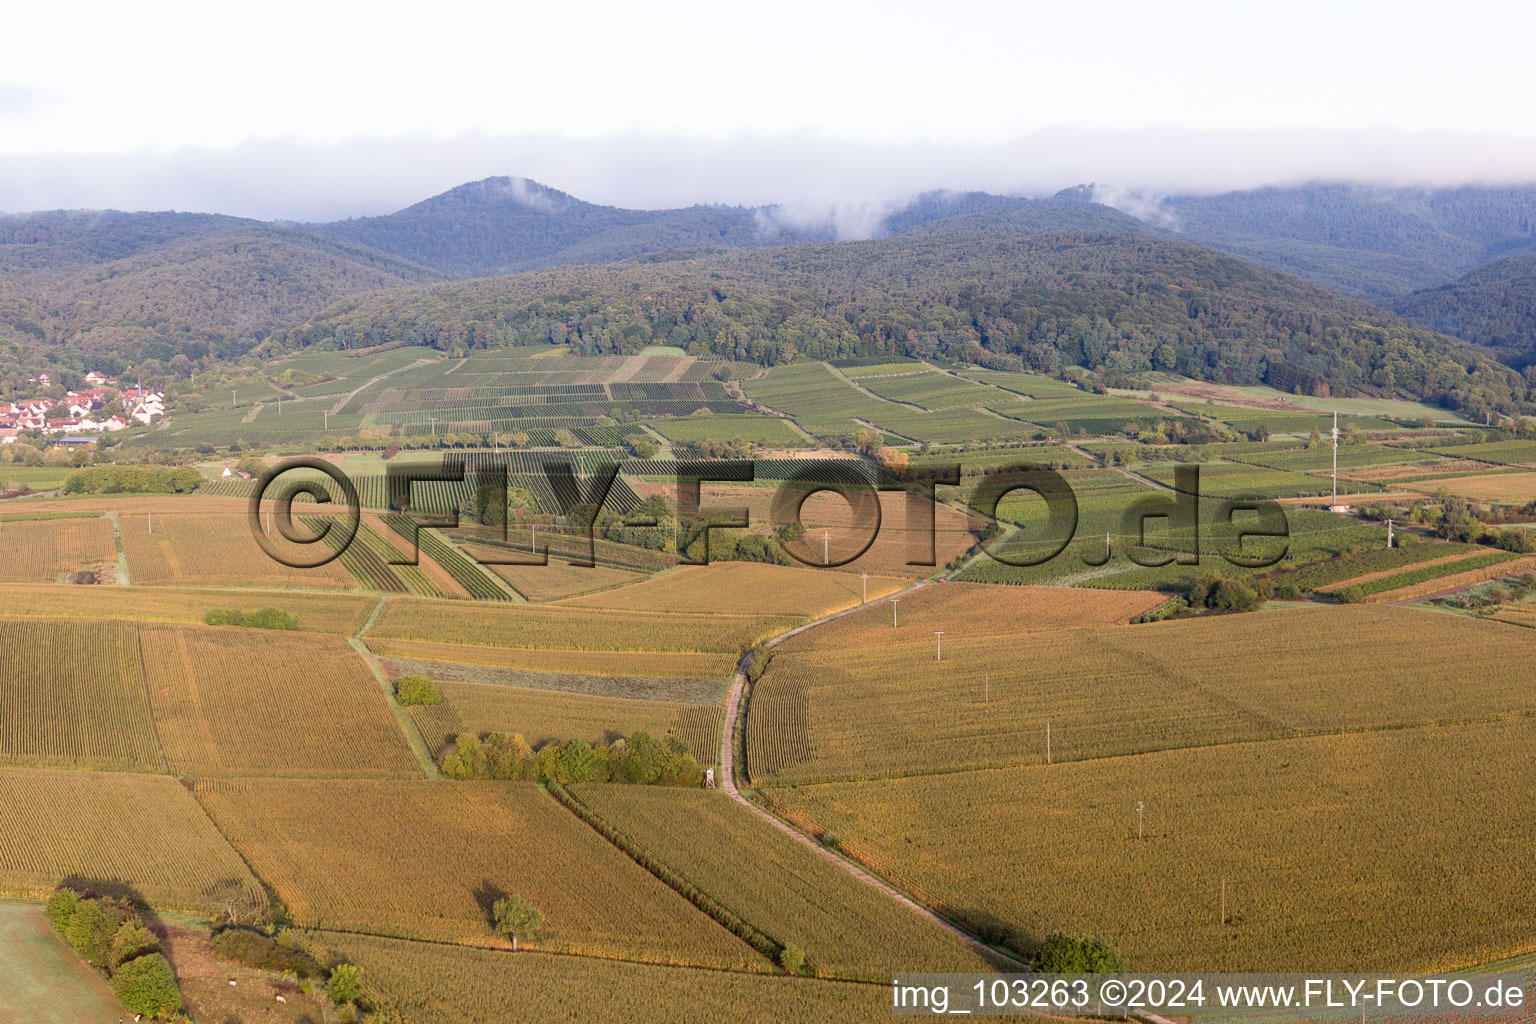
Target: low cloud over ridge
[815,181]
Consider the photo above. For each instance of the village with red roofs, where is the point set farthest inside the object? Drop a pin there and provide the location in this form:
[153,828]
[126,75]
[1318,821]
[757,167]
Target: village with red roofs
[100,408]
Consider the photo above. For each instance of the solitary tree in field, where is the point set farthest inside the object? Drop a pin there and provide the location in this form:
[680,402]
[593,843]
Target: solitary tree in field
[516,917]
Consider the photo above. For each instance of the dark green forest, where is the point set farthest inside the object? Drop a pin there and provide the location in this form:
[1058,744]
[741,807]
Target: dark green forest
[503,225]
[155,286]
[1117,304]
[970,277]
[1494,306]
[1370,243]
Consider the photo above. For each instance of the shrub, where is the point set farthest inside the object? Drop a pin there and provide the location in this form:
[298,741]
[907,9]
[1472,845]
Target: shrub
[417,690]
[82,924]
[1519,541]
[1234,596]
[131,942]
[148,986]
[61,907]
[110,917]
[271,618]
[1070,954]
[345,984]
[261,618]
[830,840]
[265,953]
[132,480]
[792,959]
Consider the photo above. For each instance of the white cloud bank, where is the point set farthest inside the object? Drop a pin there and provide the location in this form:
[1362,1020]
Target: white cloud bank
[818,181]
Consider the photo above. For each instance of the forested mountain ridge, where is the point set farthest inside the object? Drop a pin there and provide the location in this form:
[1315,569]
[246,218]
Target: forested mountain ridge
[63,238]
[1494,305]
[505,225]
[206,288]
[1371,243]
[1118,304]
[965,275]
[501,225]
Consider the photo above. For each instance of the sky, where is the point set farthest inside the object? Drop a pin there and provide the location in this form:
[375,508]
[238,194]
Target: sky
[309,111]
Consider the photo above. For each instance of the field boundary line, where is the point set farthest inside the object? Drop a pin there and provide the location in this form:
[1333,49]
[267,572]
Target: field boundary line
[734,712]
[335,410]
[149,701]
[121,574]
[664,873]
[861,389]
[1158,484]
[408,727]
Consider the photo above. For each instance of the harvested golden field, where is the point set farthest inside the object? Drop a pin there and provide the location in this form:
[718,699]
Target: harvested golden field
[1442,467]
[214,547]
[662,664]
[978,610]
[829,523]
[790,893]
[831,714]
[327,613]
[39,551]
[555,580]
[143,833]
[72,695]
[1371,851]
[428,859]
[1507,488]
[580,629]
[1518,614]
[544,715]
[743,588]
[1455,581]
[435,984]
[246,701]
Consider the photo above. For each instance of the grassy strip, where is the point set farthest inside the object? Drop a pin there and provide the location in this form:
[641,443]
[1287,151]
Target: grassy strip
[32,517]
[1429,572]
[1346,567]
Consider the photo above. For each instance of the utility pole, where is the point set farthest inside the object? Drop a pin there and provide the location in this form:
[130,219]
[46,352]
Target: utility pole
[327,414]
[1139,808]
[1335,435]
[894,602]
[826,547]
[1047,742]
[939,654]
[865,577]
[533,539]
[1389,533]
[231,398]
[151,522]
